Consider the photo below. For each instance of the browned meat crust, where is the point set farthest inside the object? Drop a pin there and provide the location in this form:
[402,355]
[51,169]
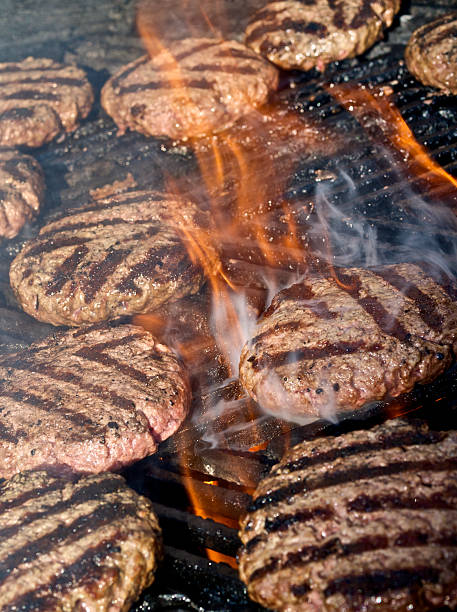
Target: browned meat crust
[94,399]
[363,521]
[304,35]
[40,98]
[21,191]
[431,53]
[74,543]
[120,255]
[333,343]
[196,87]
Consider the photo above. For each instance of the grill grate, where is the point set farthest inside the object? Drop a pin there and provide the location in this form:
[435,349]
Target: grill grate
[102,41]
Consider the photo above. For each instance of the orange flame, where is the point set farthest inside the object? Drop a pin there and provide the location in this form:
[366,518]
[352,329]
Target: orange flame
[357,99]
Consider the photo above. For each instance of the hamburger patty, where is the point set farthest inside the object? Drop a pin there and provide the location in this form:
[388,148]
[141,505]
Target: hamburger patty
[363,521]
[120,255]
[196,87]
[21,191]
[74,543]
[431,53]
[335,342]
[40,98]
[304,35]
[93,399]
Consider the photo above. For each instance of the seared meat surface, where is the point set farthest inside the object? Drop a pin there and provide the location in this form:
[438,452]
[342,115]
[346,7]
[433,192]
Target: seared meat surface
[196,86]
[120,255]
[334,342]
[362,521]
[304,35]
[74,542]
[40,98]
[431,53]
[94,399]
[21,191]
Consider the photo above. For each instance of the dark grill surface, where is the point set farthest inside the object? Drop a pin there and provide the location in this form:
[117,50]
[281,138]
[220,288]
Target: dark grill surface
[369,192]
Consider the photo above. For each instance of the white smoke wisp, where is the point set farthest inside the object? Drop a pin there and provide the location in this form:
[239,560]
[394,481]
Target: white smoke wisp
[418,233]
[357,244]
[275,401]
[232,322]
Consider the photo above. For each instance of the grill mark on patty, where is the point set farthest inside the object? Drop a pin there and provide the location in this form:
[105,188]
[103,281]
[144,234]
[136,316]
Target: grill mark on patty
[172,84]
[446,282]
[70,377]
[31,94]
[364,13]
[17,113]
[7,435]
[67,534]
[94,491]
[298,26]
[31,494]
[338,19]
[425,304]
[365,504]
[444,499]
[298,292]
[283,521]
[146,268]
[57,243]
[381,581]
[110,222]
[351,475]
[186,54]
[410,438]
[140,62]
[239,54]
[59,81]
[97,354]
[275,360]
[65,270]
[388,323]
[319,308]
[225,68]
[100,272]
[112,203]
[314,553]
[88,567]
[50,406]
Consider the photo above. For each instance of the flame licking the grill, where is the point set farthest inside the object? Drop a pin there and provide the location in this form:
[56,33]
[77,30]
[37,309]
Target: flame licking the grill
[376,105]
[238,179]
[244,173]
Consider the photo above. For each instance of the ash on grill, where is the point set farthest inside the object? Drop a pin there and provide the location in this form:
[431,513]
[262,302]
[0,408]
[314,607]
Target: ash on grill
[228,453]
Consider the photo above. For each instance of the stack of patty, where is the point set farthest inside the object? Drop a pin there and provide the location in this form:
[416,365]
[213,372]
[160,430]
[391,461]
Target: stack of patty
[362,521]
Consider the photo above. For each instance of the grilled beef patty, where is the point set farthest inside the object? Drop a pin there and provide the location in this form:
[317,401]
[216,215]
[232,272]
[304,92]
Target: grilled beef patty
[94,399]
[40,98]
[362,521]
[431,53]
[304,35]
[196,87]
[120,255]
[332,343]
[74,543]
[21,191]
